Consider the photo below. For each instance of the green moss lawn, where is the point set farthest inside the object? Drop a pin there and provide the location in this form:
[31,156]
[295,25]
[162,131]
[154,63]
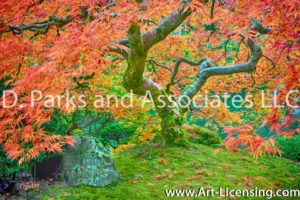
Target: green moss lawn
[147,170]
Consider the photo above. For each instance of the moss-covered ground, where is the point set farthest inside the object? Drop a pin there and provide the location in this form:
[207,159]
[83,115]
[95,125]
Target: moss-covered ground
[147,170]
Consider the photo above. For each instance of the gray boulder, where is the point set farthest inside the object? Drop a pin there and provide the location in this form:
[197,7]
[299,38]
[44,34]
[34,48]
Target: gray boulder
[88,163]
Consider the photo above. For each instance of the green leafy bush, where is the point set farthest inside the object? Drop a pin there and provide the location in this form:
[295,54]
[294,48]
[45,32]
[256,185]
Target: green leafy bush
[77,132]
[58,125]
[290,147]
[9,167]
[203,136]
[116,133]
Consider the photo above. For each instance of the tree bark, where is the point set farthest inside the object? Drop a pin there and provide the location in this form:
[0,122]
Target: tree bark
[133,80]
[171,113]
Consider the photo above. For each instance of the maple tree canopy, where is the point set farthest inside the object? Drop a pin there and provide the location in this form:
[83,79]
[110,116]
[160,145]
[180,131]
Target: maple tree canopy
[166,47]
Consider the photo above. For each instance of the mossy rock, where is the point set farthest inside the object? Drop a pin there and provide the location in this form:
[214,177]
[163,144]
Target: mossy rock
[202,135]
[88,163]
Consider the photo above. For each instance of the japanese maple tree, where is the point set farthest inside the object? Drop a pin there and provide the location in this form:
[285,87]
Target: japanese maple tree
[169,48]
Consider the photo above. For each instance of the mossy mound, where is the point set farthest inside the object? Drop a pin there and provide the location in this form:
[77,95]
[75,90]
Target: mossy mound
[202,135]
[147,170]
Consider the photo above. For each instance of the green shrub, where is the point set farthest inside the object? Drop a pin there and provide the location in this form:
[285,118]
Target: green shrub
[290,147]
[8,167]
[77,132]
[116,133]
[203,136]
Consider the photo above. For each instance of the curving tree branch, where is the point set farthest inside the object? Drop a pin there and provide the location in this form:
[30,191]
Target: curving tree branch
[163,29]
[206,70]
[151,61]
[257,26]
[176,67]
[114,47]
[41,26]
[110,4]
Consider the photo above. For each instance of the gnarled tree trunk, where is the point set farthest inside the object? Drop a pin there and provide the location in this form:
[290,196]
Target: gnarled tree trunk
[171,114]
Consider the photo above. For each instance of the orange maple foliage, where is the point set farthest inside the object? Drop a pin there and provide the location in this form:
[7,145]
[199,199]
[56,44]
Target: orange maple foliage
[46,43]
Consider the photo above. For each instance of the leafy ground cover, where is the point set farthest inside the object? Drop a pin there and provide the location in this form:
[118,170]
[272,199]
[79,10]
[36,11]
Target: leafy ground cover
[148,170]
